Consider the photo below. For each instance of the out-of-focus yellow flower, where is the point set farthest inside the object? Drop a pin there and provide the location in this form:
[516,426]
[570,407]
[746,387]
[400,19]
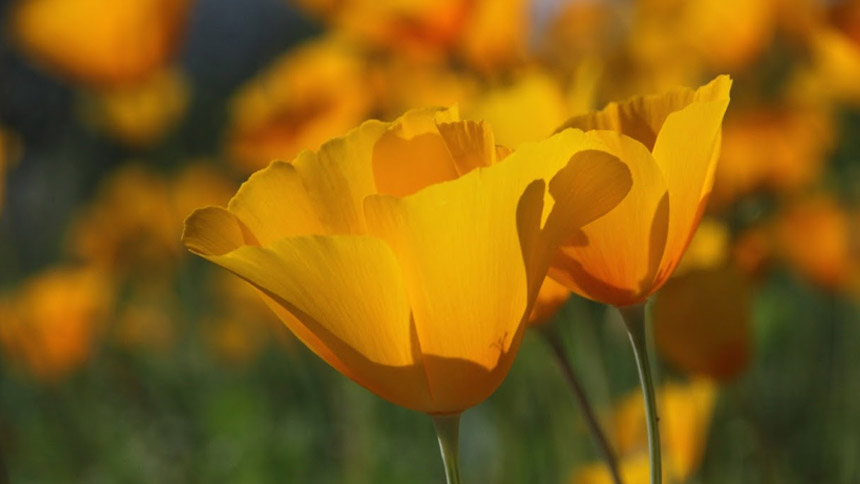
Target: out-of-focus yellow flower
[529,109]
[634,470]
[685,418]
[701,322]
[728,34]
[717,35]
[311,94]
[369,250]
[51,322]
[139,114]
[670,142]
[833,74]
[708,249]
[550,299]
[814,236]
[100,42]
[772,149]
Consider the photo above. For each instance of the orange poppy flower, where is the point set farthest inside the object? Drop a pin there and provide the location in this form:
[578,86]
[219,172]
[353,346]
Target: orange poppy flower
[671,144]
[407,255]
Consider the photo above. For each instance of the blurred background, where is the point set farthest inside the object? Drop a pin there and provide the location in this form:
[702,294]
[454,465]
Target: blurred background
[124,359]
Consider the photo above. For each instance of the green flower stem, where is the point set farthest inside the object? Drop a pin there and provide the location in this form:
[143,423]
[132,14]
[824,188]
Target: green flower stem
[552,340]
[448,432]
[634,319]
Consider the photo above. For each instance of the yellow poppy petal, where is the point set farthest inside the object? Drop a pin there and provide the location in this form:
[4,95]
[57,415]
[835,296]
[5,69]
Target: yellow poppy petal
[412,155]
[642,117]
[471,144]
[346,300]
[686,150]
[615,258]
[318,193]
[467,273]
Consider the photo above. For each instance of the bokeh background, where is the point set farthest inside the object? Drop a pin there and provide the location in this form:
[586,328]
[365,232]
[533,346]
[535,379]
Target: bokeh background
[124,359]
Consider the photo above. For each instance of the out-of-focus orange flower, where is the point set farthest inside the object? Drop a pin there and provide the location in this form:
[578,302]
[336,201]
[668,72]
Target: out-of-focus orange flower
[128,224]
[135,220]
[100,42]
[717,35]
[670,142]
[814,236]
[418,28]
[772,149]
[685,418]
[489,35]
[366,249]
[702,322]
[529,109]
[497,34]
[550,299]
[139,114]
[313,93]
[51,323]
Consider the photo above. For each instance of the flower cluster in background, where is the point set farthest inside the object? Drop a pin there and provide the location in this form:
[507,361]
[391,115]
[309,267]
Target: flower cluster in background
[123,357]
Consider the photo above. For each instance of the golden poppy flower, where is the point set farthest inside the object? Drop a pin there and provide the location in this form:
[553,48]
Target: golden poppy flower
[671,144]
[50,324]
[141,113]
[374,250]
[100,42]
[311,94]
[719,301]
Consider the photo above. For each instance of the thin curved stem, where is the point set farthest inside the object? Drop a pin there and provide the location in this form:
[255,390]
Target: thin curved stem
[448,432]
[597,434]
[634,319]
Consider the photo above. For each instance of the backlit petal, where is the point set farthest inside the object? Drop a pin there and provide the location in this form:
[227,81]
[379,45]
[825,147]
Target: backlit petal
[471,253]
[615,258]
[344,297]
[687,150]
